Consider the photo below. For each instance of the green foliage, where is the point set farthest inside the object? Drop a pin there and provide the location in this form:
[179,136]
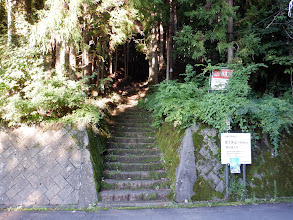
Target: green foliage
[186,103]
[270,176]
[169,140]
[97,147]
[29,94]
[85,113]
[236,190]
[262,32]
[204,191]
[190,43]
[204,28]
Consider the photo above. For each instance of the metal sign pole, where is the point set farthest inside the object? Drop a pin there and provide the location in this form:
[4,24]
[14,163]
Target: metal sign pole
[244,179]
[227,181]
[227,166]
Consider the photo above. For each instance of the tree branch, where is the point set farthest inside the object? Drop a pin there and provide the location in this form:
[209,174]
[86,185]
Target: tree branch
[273,19]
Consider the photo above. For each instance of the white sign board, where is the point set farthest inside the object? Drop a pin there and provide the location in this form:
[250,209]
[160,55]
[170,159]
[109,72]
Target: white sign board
[236,145]
[220,79]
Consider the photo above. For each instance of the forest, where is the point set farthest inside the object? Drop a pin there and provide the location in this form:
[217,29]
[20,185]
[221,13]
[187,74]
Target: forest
[57,57]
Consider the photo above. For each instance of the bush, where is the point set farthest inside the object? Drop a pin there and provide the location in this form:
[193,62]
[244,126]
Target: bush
[186,103]
[29,94]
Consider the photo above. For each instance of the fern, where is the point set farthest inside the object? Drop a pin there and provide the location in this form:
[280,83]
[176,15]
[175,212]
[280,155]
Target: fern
[184,104]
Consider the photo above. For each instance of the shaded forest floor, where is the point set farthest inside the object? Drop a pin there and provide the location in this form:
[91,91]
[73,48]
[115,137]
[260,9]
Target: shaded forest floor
[122,93]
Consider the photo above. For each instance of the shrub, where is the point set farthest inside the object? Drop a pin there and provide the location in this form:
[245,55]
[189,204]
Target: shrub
[30,94]
[186,103]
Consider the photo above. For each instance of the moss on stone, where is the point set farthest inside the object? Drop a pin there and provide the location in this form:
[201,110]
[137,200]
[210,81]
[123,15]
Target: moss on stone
[204,191]
[271,175]
[97,147]
[169,139]
[197,139]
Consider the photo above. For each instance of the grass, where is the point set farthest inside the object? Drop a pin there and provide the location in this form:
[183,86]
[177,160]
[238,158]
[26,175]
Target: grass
[96,207]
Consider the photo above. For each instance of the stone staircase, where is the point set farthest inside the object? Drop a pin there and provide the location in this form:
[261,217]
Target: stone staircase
[133,171]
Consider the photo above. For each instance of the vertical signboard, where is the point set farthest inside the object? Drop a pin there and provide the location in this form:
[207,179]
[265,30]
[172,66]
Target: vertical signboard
[220,78]
[236,145]
[235,150]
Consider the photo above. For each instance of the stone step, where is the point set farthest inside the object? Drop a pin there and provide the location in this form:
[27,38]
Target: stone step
[135,184]
[115,145]
[134,195]
[133,166]
[133,134]
[132,140]
[131,117]
[137,175]
[136,159]
[150,204]
[135,110]
[127,121]
[131,124]
[132,129]
[133,152]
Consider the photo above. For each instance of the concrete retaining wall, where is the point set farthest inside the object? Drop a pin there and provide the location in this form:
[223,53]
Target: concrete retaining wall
[200,174]
[46,166]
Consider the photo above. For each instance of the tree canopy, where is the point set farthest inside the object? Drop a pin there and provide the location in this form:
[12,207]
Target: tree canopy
[56,55]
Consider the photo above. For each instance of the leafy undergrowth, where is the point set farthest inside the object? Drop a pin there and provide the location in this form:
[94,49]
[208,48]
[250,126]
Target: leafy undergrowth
[236,108]
[30,93]
[169,140]
[97,148]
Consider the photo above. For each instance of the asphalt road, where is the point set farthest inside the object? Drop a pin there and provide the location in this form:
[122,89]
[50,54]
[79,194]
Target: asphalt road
[257,212]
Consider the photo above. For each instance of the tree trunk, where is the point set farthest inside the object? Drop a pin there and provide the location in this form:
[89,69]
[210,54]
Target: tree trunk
[153,57]
[174,33]
[57,57]
[168,55]
[291,77]
[86,67]
[104,57]
[39,4]
[161,56]
[230,34]
[67,59]
[111,62]
[10,22]
[116,61]
[169,70]
[156,55]
[126,51]
[72,60]
[60,62]
[86,64]
[28,9]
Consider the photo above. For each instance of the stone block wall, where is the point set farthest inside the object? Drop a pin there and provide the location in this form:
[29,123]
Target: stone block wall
[46,166]
[208,163]
[199,175]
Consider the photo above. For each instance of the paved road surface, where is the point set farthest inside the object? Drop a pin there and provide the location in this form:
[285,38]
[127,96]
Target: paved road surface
[257,212]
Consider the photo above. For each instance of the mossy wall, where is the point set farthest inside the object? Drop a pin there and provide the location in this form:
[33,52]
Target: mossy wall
[169,139]
[97,148]
[271,175]
[268,176]
[210,182]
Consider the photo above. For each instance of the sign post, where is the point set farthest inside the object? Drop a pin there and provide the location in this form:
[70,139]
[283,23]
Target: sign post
[235,150]
[219,78]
